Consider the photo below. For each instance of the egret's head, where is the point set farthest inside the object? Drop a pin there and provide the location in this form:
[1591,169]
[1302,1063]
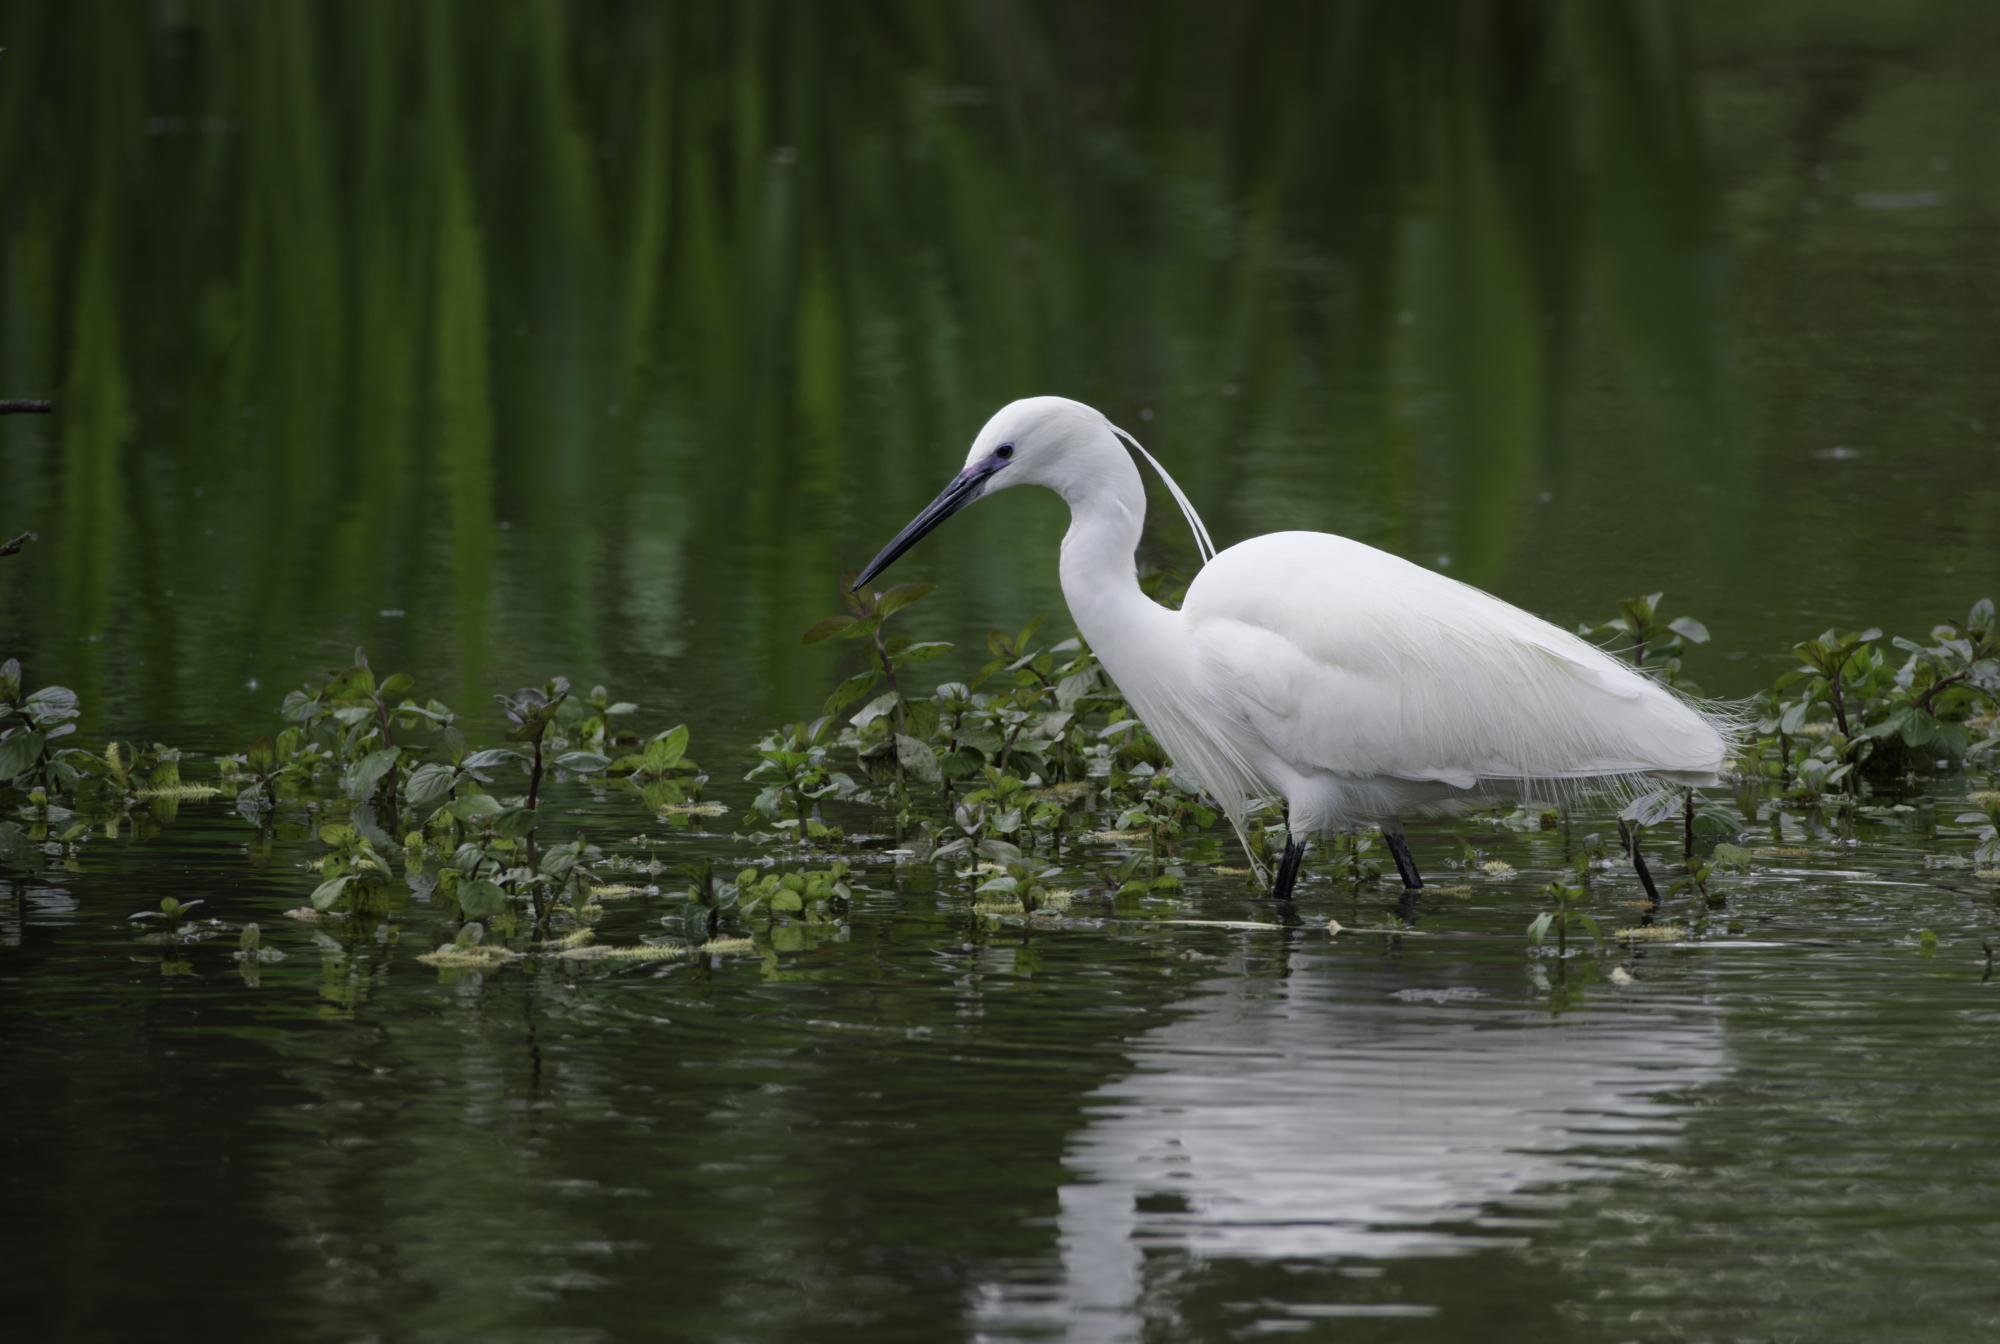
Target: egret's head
[1034,441]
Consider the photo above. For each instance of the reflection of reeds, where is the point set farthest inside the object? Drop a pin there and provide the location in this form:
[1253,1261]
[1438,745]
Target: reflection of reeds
[384,270]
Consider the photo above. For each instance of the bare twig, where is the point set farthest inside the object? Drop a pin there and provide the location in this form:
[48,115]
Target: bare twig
[15,545]
[26,407]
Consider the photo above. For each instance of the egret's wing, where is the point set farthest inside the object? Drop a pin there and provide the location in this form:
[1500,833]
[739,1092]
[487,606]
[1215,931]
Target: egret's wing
[1338,657]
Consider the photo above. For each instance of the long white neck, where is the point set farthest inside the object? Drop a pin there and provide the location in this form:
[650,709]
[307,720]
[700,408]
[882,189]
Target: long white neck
[1131,633]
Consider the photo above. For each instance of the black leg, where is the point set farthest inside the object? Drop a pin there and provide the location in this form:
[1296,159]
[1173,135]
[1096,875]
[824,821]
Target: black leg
[1630,835]
[1288,868]
[1406,867]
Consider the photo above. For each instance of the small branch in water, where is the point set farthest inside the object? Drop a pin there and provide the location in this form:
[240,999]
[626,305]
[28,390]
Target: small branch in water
[13,547]
[26,407]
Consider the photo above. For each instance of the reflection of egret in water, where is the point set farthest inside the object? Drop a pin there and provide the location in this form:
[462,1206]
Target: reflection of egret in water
[1277,1121]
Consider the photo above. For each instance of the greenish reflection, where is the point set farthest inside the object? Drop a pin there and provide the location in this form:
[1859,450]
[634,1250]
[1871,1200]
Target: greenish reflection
[726,290]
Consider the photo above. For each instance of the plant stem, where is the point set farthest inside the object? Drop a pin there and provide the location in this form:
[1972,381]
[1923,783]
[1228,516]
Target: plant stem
[535,776]
[1924,700]
[1839,703]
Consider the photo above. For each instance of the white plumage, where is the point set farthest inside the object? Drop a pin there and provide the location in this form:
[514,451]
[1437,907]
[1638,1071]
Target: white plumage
[1352,683]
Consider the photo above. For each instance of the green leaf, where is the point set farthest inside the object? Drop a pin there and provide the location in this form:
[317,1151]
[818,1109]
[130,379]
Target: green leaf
[917,758]
[583,762]
[828,628]
[514,822]
[349,684]
[492,756]
[482,899]
[902,595]
[19,751]
[1919,728]
[369,770]
[399,684]
[1734,855]
[1688,628]
[1655,807]
[326,893]
[785,900]
[338,834]
[259,756]
[473,806]
[51,700]
[851,690]
[923,653]
[884,703]
[672,746]
[430,785]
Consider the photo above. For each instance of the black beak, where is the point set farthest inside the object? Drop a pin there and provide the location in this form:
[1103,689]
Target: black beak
[964,488]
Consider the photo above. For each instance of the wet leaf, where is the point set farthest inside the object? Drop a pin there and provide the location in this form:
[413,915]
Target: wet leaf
[514,822]
[876,708]
[923,653]
[482,899]
[326,893]
[828,628]
[917,758]
[1688,628]
[851,690]
[367,773]
[19,751]
[474,806]
[429,785]
[902,595]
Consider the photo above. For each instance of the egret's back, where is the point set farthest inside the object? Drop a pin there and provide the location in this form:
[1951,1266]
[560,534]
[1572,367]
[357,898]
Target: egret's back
[1316,656]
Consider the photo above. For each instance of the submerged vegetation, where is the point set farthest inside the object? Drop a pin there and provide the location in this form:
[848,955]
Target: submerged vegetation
[1028,792]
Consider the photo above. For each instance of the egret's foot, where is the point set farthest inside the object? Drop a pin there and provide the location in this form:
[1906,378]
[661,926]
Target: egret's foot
[1288,870]
[1406,867]
[1630,835]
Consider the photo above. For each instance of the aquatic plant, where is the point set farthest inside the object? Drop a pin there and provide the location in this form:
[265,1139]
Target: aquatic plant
[868,611]
[1656,646]
[31,722]
[1564,915]
[784,909]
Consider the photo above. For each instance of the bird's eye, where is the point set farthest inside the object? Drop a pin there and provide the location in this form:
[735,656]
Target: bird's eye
[1005,452]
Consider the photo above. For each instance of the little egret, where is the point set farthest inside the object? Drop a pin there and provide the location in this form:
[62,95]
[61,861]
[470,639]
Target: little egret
[1351,683]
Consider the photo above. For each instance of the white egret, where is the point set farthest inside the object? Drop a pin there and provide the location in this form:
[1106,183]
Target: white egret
[1348,681]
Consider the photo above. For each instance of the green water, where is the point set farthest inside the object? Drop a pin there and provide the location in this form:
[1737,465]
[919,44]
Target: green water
[596,340]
